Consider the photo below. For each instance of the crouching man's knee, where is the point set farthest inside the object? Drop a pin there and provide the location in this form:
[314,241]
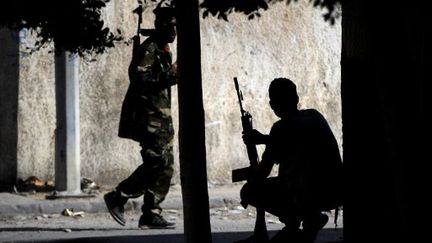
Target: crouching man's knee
[248,195]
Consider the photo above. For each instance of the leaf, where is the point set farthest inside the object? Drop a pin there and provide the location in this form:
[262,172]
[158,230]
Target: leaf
[224,17]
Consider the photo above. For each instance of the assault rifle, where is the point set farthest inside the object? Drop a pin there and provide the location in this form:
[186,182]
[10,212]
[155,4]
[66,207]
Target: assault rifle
[136,40]
[246,119]
[145,32]
[260,231]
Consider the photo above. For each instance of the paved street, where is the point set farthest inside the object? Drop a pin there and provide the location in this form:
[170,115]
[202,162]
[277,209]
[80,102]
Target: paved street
[229,221]
[227,225]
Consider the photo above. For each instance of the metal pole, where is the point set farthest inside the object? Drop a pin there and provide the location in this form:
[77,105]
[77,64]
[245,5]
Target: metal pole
[67,158]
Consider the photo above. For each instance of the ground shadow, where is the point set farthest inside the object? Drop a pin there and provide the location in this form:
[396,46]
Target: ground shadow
[325,236]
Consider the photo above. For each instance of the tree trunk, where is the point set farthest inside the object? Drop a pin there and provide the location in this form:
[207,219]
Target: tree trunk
[193,169]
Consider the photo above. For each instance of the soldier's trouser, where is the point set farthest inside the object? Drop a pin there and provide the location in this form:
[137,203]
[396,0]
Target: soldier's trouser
[152,178]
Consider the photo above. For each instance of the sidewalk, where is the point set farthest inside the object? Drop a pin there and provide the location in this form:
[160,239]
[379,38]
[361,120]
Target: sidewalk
[36,204]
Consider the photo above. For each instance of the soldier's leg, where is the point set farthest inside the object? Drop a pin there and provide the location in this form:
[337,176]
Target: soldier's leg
[132,187]
[159,163]
[140,180]
[135,185]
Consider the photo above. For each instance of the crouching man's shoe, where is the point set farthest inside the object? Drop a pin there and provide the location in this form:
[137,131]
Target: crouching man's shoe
[312,227]
[115,207]
[154,221]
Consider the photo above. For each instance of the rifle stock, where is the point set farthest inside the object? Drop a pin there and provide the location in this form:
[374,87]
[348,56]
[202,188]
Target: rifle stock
[260,231]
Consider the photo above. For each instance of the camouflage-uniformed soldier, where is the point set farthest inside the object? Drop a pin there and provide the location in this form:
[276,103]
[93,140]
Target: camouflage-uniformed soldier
[146,118]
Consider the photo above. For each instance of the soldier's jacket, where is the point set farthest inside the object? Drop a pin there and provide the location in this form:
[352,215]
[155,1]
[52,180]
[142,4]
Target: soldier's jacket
[146,110]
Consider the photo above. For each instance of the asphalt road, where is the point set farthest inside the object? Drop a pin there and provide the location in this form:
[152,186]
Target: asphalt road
[33,218]
[227,225]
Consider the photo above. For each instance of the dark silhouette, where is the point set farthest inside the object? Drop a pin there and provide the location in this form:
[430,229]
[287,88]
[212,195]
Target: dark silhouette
[304,147]
[146,119]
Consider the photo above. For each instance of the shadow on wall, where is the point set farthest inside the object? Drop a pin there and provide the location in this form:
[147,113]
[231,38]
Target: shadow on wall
[9,77]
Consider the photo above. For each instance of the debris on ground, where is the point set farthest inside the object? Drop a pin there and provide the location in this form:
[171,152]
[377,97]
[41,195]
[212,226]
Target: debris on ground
[34,184]
[70,212]
[89,186]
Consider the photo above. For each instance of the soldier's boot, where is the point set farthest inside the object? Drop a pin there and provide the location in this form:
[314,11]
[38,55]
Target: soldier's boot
[115,204]
[154,221]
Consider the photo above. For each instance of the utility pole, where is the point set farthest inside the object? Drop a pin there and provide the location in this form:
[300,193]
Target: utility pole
[67,141]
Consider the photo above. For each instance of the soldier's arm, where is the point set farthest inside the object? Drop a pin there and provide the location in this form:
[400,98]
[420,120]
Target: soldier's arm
[143,76]
[254,137]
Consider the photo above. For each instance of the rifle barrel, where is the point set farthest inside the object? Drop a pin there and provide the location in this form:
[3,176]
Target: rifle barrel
[240,98]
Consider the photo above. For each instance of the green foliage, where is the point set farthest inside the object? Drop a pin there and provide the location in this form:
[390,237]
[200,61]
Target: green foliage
[222,8]
[73,25]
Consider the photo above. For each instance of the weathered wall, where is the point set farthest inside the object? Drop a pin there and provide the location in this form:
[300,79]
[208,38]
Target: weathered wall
[291,41]
[36,112]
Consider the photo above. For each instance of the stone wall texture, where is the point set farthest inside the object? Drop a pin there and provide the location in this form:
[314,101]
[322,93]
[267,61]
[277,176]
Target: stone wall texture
[290,41]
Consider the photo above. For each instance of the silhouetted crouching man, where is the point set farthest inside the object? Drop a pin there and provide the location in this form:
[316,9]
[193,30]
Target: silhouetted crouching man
[304,147]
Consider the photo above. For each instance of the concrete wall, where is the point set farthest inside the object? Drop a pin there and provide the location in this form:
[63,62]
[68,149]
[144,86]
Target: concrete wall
[292,42]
